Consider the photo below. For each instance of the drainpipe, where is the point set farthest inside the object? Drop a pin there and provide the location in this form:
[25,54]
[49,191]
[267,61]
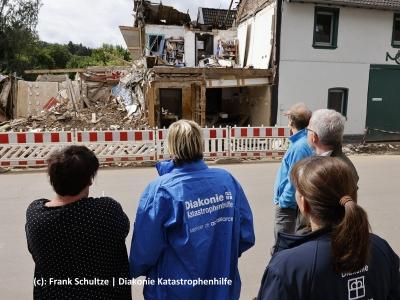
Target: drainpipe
[274,96]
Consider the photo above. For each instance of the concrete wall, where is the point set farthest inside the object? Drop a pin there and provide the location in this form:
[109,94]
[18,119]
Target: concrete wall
[259,51]
[32,96]
[190,49]
[306,74]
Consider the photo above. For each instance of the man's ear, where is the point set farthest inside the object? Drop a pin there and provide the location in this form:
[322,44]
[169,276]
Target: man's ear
[314,138]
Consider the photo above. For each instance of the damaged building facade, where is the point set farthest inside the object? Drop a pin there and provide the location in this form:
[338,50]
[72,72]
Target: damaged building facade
[197,70]
[195,66]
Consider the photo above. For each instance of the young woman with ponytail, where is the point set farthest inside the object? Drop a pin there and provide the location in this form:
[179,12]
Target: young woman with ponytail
[340,258]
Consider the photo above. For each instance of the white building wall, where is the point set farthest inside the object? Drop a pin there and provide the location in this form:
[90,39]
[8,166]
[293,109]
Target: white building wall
[259,51]
[306,74]
[190,49]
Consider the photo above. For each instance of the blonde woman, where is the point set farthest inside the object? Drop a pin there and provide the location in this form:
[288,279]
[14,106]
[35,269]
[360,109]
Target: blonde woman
[192,224]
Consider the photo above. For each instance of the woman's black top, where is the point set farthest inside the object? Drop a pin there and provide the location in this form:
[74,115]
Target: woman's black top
[79,249]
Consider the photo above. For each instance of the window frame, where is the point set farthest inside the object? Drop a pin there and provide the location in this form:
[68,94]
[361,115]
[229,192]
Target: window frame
[162,36]
[345,98]
[395,44]
[334,12]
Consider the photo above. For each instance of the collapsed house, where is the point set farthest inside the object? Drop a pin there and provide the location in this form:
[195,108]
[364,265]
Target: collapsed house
[196,68]
[181,69]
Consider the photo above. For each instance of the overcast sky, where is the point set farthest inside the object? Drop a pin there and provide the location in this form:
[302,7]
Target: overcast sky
[94,22]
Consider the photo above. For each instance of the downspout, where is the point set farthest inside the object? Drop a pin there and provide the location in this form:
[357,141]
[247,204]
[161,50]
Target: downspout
[275,85]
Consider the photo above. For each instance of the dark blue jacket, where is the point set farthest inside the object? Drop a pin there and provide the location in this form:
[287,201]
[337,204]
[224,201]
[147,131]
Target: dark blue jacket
[192,223]
[302,268]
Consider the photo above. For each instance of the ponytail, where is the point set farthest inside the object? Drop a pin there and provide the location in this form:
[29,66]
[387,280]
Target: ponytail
[350,238]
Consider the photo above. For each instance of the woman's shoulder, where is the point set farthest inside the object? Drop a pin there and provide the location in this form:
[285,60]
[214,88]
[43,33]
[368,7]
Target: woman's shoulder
[105,202]
[36,205]
[302,257]
[383,248]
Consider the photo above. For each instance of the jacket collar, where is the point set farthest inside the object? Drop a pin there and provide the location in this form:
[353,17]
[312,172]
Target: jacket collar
[298,135]
[168,166]
[337,151]
[288,241]
[190,167]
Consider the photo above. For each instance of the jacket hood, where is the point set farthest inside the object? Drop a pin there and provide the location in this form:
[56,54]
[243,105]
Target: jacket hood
[165,166]
[288,241]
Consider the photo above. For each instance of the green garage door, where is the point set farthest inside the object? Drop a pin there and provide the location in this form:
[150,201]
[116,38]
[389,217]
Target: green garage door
[383,110]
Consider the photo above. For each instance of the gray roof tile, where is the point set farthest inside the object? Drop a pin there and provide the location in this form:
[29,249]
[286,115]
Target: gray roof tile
[377,4]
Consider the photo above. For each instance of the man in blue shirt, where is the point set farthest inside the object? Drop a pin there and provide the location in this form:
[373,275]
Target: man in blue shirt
[192,224]
[286,212]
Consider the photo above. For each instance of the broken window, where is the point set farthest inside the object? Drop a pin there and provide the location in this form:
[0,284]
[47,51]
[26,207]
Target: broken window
[204,46]
[326,27]
[396,31]
[155,43]
[337,100]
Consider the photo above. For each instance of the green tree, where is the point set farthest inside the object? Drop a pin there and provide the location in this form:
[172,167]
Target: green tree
[18,21]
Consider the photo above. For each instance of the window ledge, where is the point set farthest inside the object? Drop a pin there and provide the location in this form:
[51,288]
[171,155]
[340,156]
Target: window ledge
[331,47]
[395,45]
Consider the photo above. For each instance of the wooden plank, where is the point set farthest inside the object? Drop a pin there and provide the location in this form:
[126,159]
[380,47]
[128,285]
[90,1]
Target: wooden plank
[237,72]
[54,71]
[22,99]
[203,105]
[71,94]
[186,103]
[151,103]
[5,92]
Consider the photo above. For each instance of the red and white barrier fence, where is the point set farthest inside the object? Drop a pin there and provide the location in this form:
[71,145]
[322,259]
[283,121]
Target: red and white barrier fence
[32,148]
[259,141]
[116,146]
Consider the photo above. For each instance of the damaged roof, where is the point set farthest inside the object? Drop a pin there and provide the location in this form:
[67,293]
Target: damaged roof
[150,13]
[246,8]
[375,4]
[216,17]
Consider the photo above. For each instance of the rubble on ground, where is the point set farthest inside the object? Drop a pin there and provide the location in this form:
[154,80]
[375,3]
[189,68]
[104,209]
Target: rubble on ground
[372,148]
[99,99]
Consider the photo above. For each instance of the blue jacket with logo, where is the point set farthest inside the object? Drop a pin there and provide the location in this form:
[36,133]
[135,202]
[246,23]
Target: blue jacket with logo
[302,269]
[284,191]
[192,224]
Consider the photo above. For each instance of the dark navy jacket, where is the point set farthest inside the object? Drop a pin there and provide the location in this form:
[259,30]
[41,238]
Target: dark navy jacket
[192,223]
[302,268]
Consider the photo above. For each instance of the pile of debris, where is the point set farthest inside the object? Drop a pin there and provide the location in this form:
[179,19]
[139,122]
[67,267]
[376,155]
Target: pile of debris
[7,87]
[98,98]
[372,148]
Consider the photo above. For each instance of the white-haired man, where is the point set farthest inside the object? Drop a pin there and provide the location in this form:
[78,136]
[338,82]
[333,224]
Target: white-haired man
[325,135]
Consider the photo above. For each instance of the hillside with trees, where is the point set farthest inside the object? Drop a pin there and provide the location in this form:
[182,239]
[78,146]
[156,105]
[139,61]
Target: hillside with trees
[21,48]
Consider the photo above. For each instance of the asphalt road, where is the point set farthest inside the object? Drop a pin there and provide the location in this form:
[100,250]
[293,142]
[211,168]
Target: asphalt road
[378,194]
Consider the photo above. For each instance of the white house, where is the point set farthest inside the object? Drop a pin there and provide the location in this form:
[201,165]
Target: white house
[339,54]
